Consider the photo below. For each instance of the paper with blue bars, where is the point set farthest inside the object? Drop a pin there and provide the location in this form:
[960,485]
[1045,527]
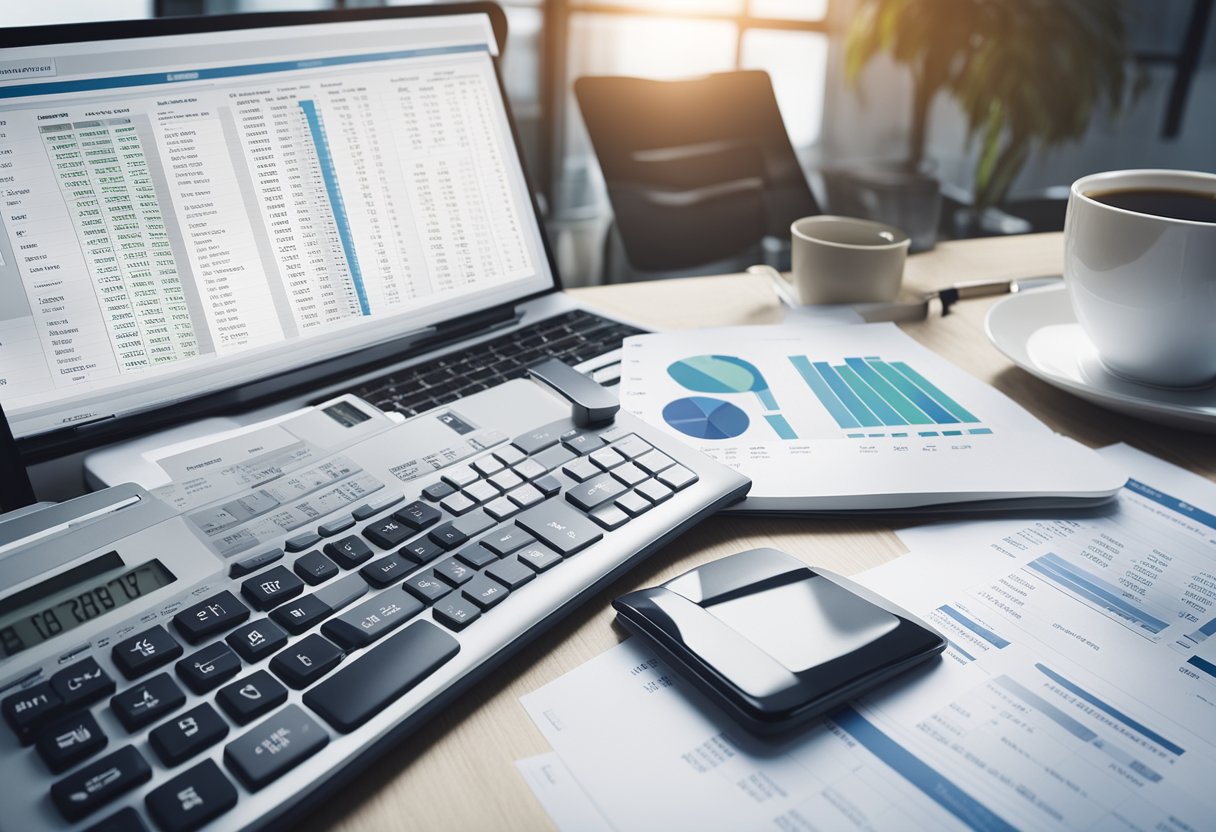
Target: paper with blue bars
[849,417]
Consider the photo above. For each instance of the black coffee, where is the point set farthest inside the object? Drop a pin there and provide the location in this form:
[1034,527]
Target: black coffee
[1196,206]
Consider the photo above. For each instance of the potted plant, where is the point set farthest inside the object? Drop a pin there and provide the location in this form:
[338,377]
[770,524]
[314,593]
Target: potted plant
[1027,74]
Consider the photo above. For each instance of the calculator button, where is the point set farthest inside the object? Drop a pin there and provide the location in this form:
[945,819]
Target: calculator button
[387,533]
[124,820]
[509,455]
[554,457]
[526,495]
[187,734]
[348,552]
[581,442]
[333,527]
[595,491]
[459,476]
[560,527]
[302,541]
[423,550]
[437,491]
[247,699]
[609,517]
[547,485]
[145,651]
[301,614]
[273,747]
[32,707]
[629,474]
[272,587]
[82,683]
[506,540]
[387,570]
[506,480]
[538,558]
[216,614]
[484,592]
[99,782]
[252,564]
[307,660]
[257,639]
[458,504]
[476,556]
[511,573]
[208,668]
[501,508]
[191,799]
[580,469]
[314,568]
[454,572]
[418,516]
[530,469]
[487,466]
[456,613]
[147,702]
[372,682]
[607,458]
[342,593]
[633,504]
[654,491]
[373,619]
[480,491]
[632,446]
[426,588]
[677,477]
[654,462]
[67,741]
[474,523]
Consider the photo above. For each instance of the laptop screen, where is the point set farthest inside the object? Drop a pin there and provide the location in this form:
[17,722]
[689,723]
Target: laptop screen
[188,213]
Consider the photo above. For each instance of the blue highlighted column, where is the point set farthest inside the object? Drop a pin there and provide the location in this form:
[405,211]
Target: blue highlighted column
[325,160]
[827,398]
[1089,587]
[778,423]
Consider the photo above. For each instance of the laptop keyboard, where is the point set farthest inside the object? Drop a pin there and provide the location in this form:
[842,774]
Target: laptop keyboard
[573,337]
[310,640]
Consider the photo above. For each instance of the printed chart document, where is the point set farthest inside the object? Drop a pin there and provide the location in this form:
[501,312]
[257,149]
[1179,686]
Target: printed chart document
[1078,692]
[831,418]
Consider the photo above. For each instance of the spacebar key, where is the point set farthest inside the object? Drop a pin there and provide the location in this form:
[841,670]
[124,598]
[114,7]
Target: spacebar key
[368,685]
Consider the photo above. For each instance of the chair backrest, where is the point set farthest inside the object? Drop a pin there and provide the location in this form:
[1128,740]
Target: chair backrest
[697,170]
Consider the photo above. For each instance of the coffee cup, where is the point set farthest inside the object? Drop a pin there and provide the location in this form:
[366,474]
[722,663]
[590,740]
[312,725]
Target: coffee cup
[845,260]
[1140,266]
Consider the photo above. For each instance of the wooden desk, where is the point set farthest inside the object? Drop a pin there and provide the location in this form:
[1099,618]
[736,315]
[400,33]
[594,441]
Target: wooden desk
[458,773]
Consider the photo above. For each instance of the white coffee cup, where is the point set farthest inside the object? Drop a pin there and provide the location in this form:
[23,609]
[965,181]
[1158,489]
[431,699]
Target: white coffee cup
[845,260]
[1143,286]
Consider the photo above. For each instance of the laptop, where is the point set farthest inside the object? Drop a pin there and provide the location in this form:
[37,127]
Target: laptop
[241,215]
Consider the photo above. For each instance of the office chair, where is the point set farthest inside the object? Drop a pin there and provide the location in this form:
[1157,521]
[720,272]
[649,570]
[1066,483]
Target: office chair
[698,171]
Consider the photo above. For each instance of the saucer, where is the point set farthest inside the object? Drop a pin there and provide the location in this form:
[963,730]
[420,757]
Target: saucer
[1039,332]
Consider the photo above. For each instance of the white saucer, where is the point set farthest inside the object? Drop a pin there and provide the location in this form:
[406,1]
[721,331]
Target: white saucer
[1039,332]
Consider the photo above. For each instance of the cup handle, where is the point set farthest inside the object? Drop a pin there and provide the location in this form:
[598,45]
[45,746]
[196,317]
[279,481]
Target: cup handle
[781,284]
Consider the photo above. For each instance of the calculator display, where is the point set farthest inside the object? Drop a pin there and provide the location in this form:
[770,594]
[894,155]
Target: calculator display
[75,597]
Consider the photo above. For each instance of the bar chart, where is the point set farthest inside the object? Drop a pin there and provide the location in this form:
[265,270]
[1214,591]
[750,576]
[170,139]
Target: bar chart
[868,392]
[1103,596]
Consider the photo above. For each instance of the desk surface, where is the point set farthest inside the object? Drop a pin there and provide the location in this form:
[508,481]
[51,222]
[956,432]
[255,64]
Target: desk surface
[459,773]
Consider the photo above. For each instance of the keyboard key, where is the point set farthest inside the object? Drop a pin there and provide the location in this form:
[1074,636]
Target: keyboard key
[387,570]
[187,734]
[364,688]
[554,457]
[677,477]
[632,446]
[538,558]
[257,639]
[506,480]
[480,491]
[386,533]
[418,516]
[271,588]
[28,710]
[302,541]
[455,612]
[459,476]
[348,552]
[580,469]
[273,747]
[541,438]
[509,455]
[633,504]
[68,740]
[488,465]
[609,517]
[426,588]
[547,485]
[252,564]
[654,462]
[458,504]
[301,614]
[143,704]
[307,660]
[506,540]
[216,614]
[454,572]
[594,492]
[208,668]
[247,699]
[559,526]
[124,820]
[473,523]
[191,799]
[630,474]
[374,507]
[511,573]
[530,469]
[145,651]
[476,556]
[526,495]
[315,568]
[501,508]
[343,593]
[423,550]
[607,458]
[336,526]
[373,619]
[448,536]
[437,491]
[101,781]
[484,592]
[82,683]
[581,442]
[654,491]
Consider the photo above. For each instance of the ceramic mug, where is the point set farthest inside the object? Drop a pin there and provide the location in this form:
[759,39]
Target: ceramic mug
[1143,285]
[845,260]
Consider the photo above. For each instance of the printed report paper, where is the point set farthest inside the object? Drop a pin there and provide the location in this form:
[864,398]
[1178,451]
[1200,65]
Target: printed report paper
[1078,692]
[830,418]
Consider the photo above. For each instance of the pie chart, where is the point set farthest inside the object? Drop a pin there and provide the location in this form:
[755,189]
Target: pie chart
[704,418]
